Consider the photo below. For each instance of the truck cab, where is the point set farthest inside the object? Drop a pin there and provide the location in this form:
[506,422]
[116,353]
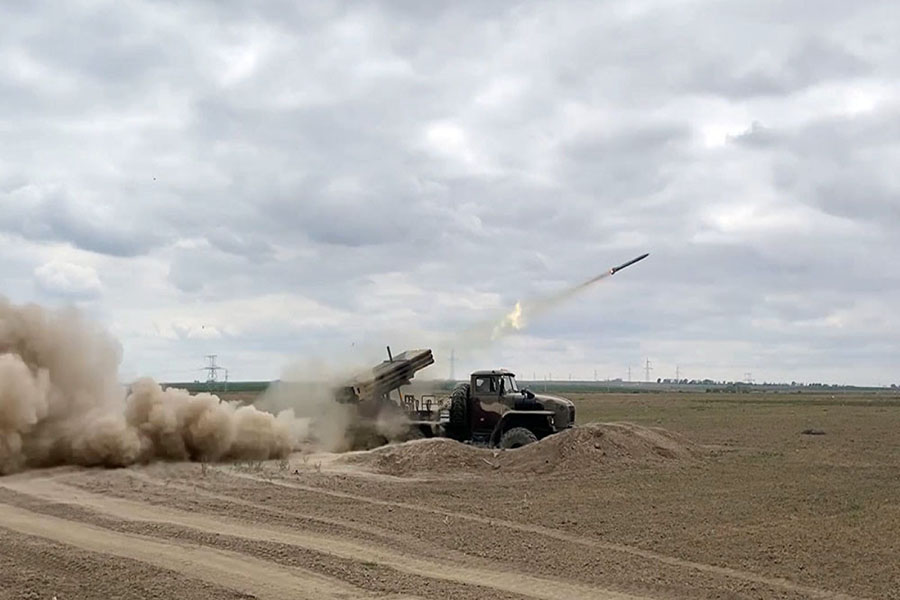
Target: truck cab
[493,410]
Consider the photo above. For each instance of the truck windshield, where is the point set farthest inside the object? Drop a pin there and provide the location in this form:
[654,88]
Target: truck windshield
[509,384]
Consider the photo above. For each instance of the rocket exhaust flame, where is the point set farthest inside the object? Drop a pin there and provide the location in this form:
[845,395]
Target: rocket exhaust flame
[511,321]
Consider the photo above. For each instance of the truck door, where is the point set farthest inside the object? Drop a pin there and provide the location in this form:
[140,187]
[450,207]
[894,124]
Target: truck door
[487,407]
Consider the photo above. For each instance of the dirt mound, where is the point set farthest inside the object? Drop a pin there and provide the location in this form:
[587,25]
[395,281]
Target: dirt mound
[591,447]
[437,455]
[598,445]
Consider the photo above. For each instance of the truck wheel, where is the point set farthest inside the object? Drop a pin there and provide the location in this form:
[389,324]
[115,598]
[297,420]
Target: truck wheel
[516,438]
[459,413]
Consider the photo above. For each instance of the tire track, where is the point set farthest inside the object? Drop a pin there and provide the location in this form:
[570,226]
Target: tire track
[408,543]
[775,582]
[227,569]
[371,530]
[516,583]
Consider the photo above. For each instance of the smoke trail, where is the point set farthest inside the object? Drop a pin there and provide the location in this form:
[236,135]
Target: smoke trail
[61,403]
[524,312]
[535,307]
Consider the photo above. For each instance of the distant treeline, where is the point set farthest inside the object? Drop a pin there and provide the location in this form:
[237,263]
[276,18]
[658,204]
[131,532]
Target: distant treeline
[694,386]
[218,387]
[619,386]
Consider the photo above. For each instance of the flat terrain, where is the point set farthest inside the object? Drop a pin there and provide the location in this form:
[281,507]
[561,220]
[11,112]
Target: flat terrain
[694,496]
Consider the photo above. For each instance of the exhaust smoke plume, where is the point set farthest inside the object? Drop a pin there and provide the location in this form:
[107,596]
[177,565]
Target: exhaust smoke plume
[308,389]
[61,403]
[516,319]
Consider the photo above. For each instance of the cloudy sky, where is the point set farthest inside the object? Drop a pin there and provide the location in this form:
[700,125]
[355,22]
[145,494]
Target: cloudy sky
[303,179]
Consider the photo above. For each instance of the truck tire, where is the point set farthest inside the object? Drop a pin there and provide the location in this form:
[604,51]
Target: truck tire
[516,438]
[459,413]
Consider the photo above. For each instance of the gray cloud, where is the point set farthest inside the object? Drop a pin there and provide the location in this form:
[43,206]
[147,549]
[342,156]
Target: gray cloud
[812,61]
[391,171]
[68,280]
[51,215]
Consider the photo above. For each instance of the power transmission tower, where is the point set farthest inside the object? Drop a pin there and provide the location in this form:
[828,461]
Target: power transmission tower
[677,373]
[647,369]
[211,368]
[749,377]
[212,371]
[629,374]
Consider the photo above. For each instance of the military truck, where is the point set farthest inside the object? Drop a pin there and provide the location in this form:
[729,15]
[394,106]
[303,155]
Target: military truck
[491,409]
[488,410]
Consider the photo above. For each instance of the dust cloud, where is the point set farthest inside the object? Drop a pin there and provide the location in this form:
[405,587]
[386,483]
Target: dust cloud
[307,389]
[61,403]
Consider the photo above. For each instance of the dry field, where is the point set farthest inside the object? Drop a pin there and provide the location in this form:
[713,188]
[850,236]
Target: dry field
[727,499]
